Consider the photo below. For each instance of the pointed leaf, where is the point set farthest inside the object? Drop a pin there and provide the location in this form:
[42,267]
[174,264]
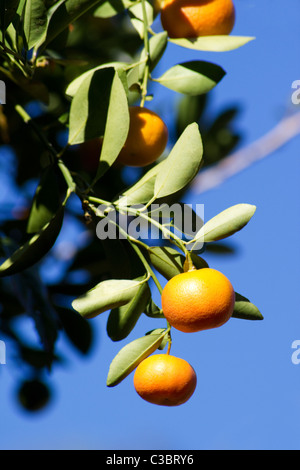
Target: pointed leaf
[117,119]
[157,47]
[130,356]
[122,320]
[35,22]
[226,223]
[105,296]
[35,249]
[245,310]
[137,18]
[153,311]
[77,329]
[182,164]
[213,43]
[112,7]
[75,85]
[142,191]
[192,78]
[63,13]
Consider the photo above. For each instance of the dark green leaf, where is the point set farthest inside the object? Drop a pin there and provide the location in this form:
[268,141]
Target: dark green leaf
[89,107]
[169,262]
[153,311]
[245,310]
[45,203]
[122,320]
[35,249]
[77,329]
[63,14]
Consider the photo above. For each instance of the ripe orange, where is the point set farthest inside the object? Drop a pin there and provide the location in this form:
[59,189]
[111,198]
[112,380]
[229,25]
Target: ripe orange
[194,18]
[198,300]
[165,380]
[147,138]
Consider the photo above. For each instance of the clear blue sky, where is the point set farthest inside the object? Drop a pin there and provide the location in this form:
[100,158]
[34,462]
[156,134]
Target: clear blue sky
[248,393]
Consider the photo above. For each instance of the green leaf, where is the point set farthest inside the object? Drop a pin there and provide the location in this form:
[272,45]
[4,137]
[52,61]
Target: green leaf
[225,224]
[89,107]
[112,7]
[122,320]
[137,18]
[192,78]
[182,164]
[130,356]
[213,43]
[45,203]
[105,296]
[75,85]
[152,310]
[116,128]
[35,249]
[8,9]
[35,21]
[157,47]
[77,329]
[142,191]
[245,310]
[169,262]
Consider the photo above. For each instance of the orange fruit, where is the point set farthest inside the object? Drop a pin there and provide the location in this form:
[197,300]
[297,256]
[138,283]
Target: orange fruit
[163,379]
[198,300]
[194,18]
[147,138]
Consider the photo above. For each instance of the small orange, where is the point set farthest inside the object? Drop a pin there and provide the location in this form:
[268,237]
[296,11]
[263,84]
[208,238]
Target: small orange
[198,300]
[163,379]
[194,18]
[147,138]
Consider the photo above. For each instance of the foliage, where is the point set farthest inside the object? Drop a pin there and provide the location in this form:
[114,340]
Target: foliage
[65,89]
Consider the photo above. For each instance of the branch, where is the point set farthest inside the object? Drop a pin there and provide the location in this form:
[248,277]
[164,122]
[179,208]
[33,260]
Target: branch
[238,161]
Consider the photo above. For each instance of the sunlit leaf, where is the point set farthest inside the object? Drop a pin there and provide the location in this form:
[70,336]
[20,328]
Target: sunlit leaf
[213,43]
[192,78]
[226,223]
[182,164]
[131,355]
[105,296]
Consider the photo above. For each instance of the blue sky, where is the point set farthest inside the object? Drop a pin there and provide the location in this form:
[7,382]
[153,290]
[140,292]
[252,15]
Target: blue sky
[248,392]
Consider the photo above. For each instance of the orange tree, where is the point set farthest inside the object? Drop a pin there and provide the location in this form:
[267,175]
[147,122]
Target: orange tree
[72,71]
